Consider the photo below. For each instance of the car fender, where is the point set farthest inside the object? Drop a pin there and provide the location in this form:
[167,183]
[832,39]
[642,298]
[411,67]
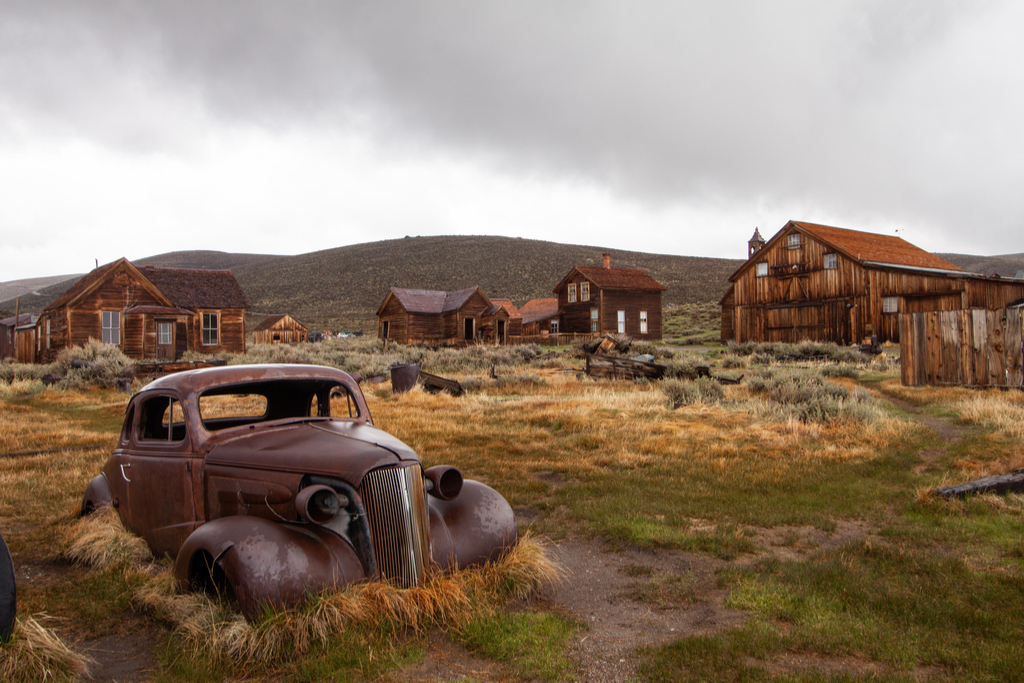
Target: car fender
[266,563]
[97,494]
[475,527]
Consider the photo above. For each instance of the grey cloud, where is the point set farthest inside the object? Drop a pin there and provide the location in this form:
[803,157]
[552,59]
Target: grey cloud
[872,109]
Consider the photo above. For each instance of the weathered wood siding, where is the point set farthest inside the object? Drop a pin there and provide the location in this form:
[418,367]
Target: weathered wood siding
[287,330]
[231,338]
[778,306]
[398,322]
[974,347]
[575,317]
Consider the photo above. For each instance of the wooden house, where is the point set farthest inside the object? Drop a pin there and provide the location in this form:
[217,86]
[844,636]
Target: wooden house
[424,316]
[604,300]
[539,317]
[515,318]
[151,313]
[822,283]
[280,329]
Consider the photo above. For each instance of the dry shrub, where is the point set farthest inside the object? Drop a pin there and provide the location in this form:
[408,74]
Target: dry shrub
[703,391]
[100,541]
[1000,410]
[107,365]
[35,653]
[209,627]
[20,387]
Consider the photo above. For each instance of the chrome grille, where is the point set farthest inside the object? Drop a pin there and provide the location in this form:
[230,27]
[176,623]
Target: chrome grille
[397,511]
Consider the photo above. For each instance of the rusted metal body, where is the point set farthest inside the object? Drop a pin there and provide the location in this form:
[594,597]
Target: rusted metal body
[271,482]
[8,593]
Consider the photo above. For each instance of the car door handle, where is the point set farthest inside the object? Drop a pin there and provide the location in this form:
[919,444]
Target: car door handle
[123,465]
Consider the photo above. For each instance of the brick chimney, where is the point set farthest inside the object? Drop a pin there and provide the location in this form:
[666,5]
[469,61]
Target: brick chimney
[607,260]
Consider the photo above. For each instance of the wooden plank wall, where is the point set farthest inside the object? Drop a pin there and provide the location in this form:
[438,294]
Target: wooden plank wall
[974,347]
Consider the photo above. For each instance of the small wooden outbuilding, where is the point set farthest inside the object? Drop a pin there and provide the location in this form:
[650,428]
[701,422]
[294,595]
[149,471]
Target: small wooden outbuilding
[280,329]
[540,316]
[8,344]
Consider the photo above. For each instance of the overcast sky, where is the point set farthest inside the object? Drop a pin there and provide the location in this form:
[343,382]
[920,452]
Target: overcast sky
[137,128]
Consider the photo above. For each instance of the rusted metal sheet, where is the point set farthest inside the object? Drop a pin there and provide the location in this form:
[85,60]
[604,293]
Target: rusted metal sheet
[403,377]
[271,482]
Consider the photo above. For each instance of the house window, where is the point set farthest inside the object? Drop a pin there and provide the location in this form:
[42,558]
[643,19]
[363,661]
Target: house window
[572,292]
[762,269]
[211,329]
[593,320]
[794,241]
[165,334]
[643,322]
[831,262]
[111,327]
[584,291]
[554,327]
[622,322]
[890,304]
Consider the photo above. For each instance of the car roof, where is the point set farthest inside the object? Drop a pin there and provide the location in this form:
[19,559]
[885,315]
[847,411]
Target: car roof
[193,381]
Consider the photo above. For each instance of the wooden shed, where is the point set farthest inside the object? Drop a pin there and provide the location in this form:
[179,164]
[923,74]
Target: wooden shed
[604,300]
[424,316]
[8,346]
[540,316]
[515,318]
[151,313]
[280,329]
[823,283]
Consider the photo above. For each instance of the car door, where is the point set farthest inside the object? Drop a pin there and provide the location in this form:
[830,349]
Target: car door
[157,469]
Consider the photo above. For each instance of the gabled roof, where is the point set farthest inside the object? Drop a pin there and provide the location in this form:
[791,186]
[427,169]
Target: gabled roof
[273,320]
[507,304]
[430,300]
[867,248]
[23,319]
[172,287]
[538,309]
[196,288]
[97,276]
[614,278]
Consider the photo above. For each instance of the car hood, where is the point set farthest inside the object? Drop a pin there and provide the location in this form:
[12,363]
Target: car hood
[326,447]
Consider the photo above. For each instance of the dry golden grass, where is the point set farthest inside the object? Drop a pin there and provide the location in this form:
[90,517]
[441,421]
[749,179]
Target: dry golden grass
[1002,411]
[210,628]
[35,653]
[101,541]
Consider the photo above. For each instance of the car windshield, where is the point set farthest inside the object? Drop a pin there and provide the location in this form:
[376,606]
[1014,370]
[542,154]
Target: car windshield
[252,402]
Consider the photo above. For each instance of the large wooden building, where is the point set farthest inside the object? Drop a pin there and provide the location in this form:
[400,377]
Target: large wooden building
[151,313]
[604,300]
[425,316]
[540,316]
[822,283]
[280,329]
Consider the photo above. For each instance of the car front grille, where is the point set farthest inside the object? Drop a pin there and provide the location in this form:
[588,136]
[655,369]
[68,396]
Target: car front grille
[396,508]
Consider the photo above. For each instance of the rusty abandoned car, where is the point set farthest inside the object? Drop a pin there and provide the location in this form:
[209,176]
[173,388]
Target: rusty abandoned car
[270,482]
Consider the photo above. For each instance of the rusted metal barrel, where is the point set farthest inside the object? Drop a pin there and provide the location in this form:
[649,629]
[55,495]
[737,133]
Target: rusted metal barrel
[403,377]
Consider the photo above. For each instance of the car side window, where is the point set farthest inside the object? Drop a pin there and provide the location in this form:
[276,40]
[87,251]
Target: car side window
[161,419]
[342,403]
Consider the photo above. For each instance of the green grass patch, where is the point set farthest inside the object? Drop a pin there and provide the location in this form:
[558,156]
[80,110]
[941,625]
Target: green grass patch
[533,644]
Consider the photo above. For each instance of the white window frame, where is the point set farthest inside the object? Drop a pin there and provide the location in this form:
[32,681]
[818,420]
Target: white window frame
[831,261]
[161,325]
[584,291]
[643,322]
[621,316]
[761,269]
[110,324]
[594,320]
[211,334]
[554,326]
[794,241]
[572,292]
[890,304]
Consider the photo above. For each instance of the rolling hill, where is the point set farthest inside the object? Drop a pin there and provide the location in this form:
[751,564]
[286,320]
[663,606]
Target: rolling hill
[341,288]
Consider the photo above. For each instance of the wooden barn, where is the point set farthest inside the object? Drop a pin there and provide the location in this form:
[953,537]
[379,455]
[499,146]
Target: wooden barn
[151,313]
[424,316]
[606,300]
[539,316]
[829,284]
[280,329]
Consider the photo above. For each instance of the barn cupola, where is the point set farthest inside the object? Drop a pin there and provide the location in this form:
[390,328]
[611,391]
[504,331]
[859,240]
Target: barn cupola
[755,243]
